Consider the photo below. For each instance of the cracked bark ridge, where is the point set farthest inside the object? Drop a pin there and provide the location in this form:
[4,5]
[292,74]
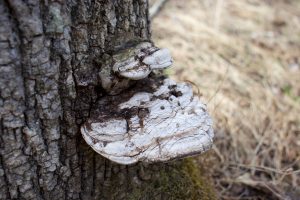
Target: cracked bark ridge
[153,122]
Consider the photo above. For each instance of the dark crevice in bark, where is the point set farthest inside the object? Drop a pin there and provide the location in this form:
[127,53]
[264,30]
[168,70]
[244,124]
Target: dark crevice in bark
[17,146]
[3,179]
[36,118]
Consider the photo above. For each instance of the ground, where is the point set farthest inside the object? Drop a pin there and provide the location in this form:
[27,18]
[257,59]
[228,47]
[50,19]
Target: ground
[243,57]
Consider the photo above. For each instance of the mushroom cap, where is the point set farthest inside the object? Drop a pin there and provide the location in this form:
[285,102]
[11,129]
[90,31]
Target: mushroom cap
[161,122]
[137,62]
[159,59]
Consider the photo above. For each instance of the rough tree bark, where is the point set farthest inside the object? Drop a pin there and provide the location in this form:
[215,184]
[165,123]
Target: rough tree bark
[49,61]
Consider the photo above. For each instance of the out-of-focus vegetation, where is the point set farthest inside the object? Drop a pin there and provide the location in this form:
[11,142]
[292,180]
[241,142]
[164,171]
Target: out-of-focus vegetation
[244,57]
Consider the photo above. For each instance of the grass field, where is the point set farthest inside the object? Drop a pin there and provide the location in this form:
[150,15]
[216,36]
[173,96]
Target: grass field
[243,56]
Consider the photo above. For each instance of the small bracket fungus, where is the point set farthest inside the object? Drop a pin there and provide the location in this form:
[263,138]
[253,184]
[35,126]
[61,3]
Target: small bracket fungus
[122,69]
[137,62]
[155,121]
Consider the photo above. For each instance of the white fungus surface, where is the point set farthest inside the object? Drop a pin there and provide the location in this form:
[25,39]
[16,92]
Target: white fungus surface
[170,123]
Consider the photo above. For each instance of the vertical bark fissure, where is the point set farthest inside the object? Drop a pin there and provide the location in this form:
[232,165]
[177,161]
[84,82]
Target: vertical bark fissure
[40,80]
[16,161]
[4,174]
[3,177]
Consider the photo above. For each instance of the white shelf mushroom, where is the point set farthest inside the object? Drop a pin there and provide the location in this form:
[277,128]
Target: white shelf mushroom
[137,62]
[159,59]
[159,120]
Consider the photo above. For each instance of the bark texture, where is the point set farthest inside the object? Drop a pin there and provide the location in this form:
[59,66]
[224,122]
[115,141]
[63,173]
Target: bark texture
[50,55]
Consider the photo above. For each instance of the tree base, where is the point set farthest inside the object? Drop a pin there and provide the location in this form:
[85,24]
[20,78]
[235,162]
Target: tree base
[178,180]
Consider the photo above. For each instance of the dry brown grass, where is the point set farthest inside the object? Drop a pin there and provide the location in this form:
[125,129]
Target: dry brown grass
[244,56]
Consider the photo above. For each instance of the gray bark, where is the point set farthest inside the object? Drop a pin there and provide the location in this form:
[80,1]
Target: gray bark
[48,83]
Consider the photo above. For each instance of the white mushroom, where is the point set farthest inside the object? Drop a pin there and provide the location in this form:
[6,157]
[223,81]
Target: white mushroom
[137,62]
[159,59]
[132,69]
[159,121]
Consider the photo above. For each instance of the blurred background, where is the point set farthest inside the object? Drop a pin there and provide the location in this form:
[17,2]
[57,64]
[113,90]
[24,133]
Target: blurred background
[243,58]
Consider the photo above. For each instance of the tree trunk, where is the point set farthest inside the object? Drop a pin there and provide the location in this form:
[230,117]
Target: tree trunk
[49,53]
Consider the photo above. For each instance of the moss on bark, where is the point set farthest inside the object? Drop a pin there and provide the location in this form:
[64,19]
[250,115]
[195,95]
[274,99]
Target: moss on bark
[179,180]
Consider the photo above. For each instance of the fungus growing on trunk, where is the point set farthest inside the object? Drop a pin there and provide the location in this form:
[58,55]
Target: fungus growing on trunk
[120,70]
[157,120]
[137,62]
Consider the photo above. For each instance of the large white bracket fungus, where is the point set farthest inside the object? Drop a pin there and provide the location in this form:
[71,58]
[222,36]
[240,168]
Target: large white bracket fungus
[157,120]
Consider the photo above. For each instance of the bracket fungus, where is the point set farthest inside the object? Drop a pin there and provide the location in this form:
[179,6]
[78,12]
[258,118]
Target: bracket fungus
[157,120]
[120,70]
[137,62]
